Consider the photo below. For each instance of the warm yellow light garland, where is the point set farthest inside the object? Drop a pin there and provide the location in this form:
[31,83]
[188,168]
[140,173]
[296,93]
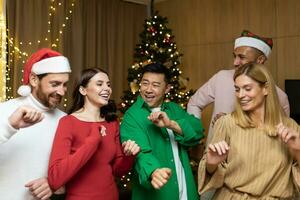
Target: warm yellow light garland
[3,52]
[23,55]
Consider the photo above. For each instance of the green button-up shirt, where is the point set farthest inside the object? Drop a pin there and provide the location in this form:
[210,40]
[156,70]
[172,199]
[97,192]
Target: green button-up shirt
[156,150]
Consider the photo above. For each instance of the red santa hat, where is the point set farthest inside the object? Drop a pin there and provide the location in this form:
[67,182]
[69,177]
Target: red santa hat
[251,40]
[42,62]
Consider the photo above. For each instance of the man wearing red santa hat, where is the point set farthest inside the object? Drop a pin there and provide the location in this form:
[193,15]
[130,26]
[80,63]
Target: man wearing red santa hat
[28,125]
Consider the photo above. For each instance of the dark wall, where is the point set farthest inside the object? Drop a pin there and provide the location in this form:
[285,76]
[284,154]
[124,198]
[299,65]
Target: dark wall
[292,89]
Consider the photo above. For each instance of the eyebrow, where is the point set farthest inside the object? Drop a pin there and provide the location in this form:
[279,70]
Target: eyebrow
[100,81]
[53,81]
[154,82]
[238,54]
[246,85]
[241,55]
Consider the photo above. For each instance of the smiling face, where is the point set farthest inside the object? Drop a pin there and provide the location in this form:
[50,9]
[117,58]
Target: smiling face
[153,88]
[245,54]
[50,89]
[250,94]
[98,90]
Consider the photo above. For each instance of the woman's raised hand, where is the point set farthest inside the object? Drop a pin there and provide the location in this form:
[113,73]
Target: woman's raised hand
[289,136]
[217,152]
[130,148]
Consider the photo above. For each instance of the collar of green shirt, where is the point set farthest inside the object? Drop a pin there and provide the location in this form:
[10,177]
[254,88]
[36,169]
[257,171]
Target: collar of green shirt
[142,104]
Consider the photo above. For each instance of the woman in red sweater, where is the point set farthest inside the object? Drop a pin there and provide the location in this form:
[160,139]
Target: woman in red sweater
[86,152]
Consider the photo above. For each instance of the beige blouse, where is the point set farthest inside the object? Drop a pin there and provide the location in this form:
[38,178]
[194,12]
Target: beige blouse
[258,166]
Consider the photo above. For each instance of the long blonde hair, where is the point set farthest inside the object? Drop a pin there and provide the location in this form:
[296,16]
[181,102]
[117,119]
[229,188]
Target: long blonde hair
[273,111]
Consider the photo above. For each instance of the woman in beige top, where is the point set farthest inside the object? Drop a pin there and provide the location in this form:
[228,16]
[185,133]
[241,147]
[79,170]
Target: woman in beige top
[255,151]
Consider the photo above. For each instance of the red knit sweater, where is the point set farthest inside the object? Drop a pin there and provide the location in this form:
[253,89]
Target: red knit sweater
[85,160]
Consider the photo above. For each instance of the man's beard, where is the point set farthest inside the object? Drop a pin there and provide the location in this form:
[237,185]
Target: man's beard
[45,100]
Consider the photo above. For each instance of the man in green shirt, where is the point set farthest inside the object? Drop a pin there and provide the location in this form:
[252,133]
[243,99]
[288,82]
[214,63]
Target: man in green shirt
[164,131]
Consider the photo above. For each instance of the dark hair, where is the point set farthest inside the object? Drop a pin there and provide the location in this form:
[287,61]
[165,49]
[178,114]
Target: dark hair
[159,69]
[258,52]
[108,111]
[41,76]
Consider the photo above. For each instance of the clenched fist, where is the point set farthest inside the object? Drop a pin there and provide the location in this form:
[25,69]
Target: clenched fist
[25,116]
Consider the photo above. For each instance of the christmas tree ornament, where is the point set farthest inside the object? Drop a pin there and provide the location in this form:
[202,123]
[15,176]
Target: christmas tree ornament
[134,87]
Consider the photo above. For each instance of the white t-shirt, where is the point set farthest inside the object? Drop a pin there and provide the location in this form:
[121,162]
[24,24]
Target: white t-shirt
[178,165]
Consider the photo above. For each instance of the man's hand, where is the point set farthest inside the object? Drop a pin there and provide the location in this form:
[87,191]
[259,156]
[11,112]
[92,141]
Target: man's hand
[130,148]
[162,120]
[40,188]
[160,177]
[25,116]
[217,116]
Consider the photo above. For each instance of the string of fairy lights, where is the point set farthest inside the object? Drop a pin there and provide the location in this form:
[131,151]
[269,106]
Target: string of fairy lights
[3,56]
[16,47]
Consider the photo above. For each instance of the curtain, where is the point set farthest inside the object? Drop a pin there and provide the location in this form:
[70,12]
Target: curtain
[91,33]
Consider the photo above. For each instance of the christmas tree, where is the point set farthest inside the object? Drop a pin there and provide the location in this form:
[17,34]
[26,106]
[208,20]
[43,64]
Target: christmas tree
[157,45]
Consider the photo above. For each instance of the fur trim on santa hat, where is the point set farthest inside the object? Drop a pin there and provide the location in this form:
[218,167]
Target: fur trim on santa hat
[252,40]
[255,43]
[58,64]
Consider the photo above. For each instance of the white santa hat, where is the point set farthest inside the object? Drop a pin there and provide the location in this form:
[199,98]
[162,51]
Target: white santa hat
[42,62]
[251,40]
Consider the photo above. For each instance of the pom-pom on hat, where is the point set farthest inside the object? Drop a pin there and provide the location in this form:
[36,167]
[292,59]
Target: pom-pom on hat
[42,62]
[251,40]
